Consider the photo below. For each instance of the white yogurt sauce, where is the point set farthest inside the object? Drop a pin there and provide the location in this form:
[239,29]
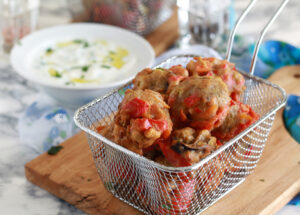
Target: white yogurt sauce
[83,62]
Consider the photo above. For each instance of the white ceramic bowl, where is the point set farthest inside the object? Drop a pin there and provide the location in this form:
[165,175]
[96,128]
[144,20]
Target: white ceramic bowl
[75,96]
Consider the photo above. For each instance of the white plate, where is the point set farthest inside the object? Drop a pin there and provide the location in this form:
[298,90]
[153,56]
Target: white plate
[22,53]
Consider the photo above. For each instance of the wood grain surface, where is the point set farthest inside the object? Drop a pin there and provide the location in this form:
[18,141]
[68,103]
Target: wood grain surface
[72,176]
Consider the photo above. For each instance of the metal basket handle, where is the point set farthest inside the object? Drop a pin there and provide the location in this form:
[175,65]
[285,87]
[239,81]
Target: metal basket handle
[262,33]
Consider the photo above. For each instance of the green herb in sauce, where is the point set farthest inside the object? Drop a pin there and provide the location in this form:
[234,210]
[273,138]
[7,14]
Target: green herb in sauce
[54,73]
[69,83]
[49,51]
[78,41]
[85,43]
[105,66]
[85,68]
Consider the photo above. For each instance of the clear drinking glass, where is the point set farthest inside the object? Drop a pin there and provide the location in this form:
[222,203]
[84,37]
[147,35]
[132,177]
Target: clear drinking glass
[207,20]
[17,19]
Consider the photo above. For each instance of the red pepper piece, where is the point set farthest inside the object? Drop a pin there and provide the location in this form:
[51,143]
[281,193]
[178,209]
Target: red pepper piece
[210,73]
[198,110]
[142,124]
[173,157]
[249,151]
[234,96]
[176,78]
[161,125]
[219,143]
[136,107]
[224,66]
[100,128]
[191,100]
[181,196]
[145,124]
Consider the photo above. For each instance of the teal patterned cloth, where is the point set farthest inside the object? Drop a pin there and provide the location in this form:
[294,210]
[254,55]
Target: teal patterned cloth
[291,116]
[45,124]
[276,54]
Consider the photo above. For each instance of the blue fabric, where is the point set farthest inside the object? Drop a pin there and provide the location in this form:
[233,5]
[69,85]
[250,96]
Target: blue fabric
[291,116]
[274,55]
[45,124]
[295,200]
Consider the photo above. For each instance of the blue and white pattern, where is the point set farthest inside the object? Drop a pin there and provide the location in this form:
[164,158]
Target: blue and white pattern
[53,123]
[291,116]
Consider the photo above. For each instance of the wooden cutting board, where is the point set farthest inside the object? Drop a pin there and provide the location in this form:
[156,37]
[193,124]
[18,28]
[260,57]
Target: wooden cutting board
[72,176]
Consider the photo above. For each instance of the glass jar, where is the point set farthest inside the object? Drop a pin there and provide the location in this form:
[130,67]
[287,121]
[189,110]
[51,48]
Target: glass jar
[18,18]
[207,20]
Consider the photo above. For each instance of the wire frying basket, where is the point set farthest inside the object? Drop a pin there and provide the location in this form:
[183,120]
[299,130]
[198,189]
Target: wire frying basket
[156,189]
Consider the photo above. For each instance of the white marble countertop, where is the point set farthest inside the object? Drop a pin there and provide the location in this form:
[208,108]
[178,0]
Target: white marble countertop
[17,195]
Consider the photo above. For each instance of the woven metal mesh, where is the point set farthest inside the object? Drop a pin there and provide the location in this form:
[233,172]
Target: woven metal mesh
[156,189]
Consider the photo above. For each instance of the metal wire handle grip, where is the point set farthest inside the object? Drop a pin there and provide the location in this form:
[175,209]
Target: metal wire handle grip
[232,33]
[263,32]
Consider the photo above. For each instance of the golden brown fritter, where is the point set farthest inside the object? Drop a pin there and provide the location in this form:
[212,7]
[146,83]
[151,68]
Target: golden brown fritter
[221,68]
[160,80]
[202,102]
[240,117]
[193,145]
[142,118]
[199,102]
[152,79]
